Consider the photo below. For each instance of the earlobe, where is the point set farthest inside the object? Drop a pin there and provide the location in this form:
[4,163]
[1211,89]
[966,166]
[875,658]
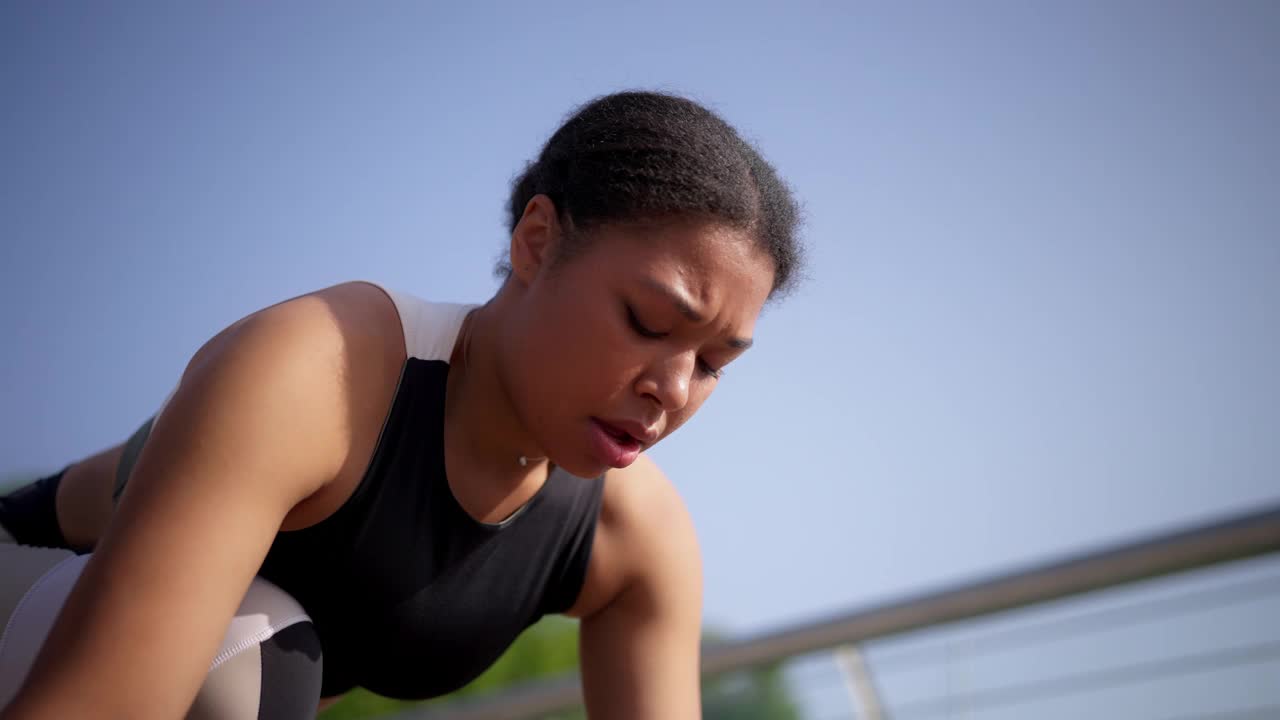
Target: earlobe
[534,238]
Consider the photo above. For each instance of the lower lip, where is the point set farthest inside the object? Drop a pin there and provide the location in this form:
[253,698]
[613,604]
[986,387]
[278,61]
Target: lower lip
[615,453]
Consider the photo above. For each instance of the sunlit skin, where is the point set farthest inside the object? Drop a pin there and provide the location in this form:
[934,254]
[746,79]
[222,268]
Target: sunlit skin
[637,326]
[634,329]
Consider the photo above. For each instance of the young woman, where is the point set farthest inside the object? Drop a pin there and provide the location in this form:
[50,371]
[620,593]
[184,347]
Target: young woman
[408,485]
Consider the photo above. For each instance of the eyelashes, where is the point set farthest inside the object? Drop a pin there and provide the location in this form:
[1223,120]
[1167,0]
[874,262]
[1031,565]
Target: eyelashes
[639,327]
[644,332]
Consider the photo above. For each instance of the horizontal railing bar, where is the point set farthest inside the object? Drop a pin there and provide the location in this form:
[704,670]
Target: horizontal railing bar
[1131,613]
[1235,538]
[1105,678]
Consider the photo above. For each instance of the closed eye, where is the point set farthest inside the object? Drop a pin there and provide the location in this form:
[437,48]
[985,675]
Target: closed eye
[639,327]
[709,371]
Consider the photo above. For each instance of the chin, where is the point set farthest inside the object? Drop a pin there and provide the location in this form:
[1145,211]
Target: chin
[579,464]
[583,469]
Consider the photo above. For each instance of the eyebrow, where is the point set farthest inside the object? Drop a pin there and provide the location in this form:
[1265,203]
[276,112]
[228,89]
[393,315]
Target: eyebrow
[686,309]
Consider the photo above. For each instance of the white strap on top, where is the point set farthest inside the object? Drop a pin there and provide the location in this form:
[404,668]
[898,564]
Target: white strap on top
[430,328]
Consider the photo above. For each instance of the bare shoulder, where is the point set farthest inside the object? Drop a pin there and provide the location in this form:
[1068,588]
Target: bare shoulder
[641,502]
[346,337]
[349,317]
[645,537]
[322,365]
[345,346]
[342,345]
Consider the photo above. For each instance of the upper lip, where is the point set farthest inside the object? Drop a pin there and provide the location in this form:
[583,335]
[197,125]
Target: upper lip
[645,434]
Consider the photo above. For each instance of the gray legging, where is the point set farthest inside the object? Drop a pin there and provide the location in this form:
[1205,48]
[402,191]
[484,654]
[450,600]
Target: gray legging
[268,666]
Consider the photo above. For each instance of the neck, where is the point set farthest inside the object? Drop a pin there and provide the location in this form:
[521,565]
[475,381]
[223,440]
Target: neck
[484,434]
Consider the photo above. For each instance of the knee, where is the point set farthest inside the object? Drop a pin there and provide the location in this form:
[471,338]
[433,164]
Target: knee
[269,664]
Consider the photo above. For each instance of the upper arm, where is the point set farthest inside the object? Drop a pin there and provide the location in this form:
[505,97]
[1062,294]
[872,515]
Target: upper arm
[255,426]
[640,653]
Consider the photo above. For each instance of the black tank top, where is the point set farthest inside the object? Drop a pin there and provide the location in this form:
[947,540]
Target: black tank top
[411,596]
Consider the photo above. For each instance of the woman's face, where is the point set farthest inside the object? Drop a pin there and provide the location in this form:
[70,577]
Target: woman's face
[619,344]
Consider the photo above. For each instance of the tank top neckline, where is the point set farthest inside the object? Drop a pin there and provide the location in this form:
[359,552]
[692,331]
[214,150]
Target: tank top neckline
[441,465]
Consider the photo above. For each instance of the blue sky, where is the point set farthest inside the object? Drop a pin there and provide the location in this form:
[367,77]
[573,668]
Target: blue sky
[1043,305]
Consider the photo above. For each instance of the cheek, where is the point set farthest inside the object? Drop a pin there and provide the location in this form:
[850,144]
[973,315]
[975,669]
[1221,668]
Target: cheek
[574,362]
[594,346]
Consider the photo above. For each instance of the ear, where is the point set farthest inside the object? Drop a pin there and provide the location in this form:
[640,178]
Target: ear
[533,242]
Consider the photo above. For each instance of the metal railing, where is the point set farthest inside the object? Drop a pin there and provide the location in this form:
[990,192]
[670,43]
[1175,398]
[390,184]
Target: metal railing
[1232,539]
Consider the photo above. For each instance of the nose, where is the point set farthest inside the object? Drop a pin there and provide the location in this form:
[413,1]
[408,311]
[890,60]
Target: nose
[667,382]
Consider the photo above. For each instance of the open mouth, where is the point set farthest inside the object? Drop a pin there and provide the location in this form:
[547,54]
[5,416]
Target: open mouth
[620,435]
[614,446]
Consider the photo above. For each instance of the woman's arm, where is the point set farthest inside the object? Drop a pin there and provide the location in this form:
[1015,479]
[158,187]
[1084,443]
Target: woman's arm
[640,653]
[256,426]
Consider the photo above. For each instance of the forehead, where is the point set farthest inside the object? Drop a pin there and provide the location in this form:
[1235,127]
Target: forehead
[709,262]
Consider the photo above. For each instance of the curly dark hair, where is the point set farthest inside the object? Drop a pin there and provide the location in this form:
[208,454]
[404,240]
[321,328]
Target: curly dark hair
[641,156]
